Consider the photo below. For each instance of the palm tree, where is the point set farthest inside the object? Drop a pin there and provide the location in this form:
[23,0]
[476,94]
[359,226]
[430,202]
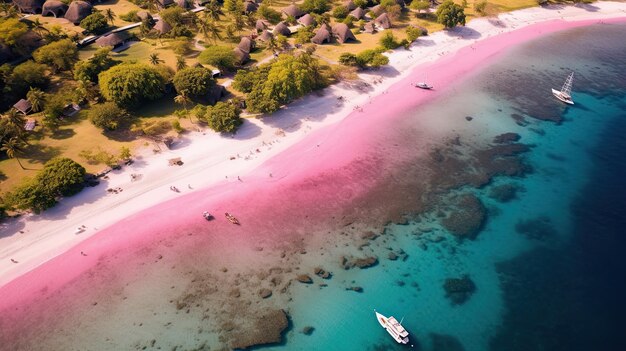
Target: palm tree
[182,99]
[180,63]
[272,45]
[109,15]
[13,147]
[151,6]
[213,10]
[15,119]
[38,26]
[154,59]
[36,98]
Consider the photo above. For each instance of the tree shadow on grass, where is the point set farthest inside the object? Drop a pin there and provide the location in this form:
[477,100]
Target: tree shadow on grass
[463,33]
[40,154]
[60,134]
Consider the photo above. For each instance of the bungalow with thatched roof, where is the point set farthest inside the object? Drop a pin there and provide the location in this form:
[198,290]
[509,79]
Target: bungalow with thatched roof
[144,15]
[54,8]
[162,27]
[293,11]
[343,33]
[215,94]
[322,36]
[350,5]
[383,21]
[24,106]
[369,28]
[250,6]
[261,25]
[377,10]
[357,13]
[281,28]
[113,40]
[185,4]
[241,56]
[266,36]
[246,44]
[30,124]
[164,3]
[307,20]
[77,11]
[29,6]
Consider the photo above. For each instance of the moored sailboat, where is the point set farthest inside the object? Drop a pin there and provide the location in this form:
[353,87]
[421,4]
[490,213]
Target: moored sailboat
[566,90]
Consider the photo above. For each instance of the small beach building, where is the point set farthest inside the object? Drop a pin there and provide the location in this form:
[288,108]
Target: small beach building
[77,11]
[293,11]
[54,8]
[114,40]
[350,5]
[250,7]
[164,3]
[246,44]
[24,106]
[343,33]
[307,20]
[266,36]
[377,10]
[261,25]
[357,13]
[383,21]
[369,28]
[30,124]
[29,6]
[144,15]
[70,110]
[185,4]
[162,27]
[322,36]
[282,29]
[241,56]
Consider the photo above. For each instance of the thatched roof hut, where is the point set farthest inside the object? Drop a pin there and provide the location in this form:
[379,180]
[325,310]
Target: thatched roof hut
[266,36]
[185,4]
[383,21]
[29,6]
[378,10]
[242,56]
[162,27]
[357,13]
[113,40]
[54,8]
[77,11]
[307,20]
[369,28]
[164,3]
[24,106]
[293,11]
[343,33]
[281,28]
[250,6]
[350,5]
[246,44]
[322,36]
[144,15]
[261,25]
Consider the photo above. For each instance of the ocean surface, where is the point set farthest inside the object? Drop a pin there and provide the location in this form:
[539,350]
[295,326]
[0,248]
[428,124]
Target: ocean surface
[508,244]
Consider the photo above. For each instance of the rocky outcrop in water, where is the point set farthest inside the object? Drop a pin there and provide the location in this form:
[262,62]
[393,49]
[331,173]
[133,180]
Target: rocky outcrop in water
[444,342]
[537,228]
[304,278]
[459,290]
[268,329]
[320,272]
[467,217]
[503,193]
[507,138]
[360,262]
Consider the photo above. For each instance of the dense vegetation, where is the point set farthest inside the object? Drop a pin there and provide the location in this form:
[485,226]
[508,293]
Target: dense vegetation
[131,84]
[195,82]
[450,14]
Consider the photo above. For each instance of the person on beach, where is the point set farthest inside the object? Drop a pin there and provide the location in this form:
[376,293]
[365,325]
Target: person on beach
[14,261]
[83,254]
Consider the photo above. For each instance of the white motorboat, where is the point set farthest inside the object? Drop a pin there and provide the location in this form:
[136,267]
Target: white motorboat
[423,85]
[566,90]
[394,328]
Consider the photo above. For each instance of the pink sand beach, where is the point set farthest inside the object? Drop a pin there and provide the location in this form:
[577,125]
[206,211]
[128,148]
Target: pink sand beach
[309,182]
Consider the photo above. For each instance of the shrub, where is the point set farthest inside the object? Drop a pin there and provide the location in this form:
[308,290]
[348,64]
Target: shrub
[221,57]
[107,116]
[316,6]
[450,14]
[388,41]
[348,59]
[193,81]
[269,14]
[480,7]
[223,117]
[130,16]
[131,84]
[59,55]
[371,58]
[88,70]
[95,23]
[340,12]
[412,33]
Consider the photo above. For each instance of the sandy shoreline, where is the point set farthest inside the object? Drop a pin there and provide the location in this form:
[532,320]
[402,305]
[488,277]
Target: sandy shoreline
[306,135]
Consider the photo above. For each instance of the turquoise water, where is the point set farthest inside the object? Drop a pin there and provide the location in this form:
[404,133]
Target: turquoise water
[563,164]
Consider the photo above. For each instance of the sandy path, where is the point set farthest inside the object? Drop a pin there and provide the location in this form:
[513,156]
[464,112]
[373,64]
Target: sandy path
[33,240]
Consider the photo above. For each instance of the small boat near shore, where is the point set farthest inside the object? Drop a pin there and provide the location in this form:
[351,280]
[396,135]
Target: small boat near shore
[207,215]
[232,219]
[423,85]
[566,90]
[394,328]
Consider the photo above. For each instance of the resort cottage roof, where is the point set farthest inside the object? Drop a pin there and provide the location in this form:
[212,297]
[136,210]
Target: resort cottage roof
[369,28]
[54,8]
[23,106]
[342,33]
[29,6]
[246,44]
[383,21]
[281,28]
[266,36]
[322,35]
[186,4]
[250,6]
[357,13]
[77,11]
[378,10]
[144,15]
[162,27]
[261,25]
[293,11]
[165,3]
[30,124]
[349,5]
[242,56]
[114,39]
[307,20]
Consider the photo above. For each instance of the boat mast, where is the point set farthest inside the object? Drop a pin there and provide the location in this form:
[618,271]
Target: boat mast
[567,87]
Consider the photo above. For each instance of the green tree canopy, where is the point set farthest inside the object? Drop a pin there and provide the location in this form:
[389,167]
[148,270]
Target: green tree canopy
[450,14]
[11,30]
[88,70]
[131,84]
[269,14]
[316,6]
[223,117]
[59,55]
[95,23]
[107,116]
[193,81]
[173,15]
[371,58]
[221,57]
